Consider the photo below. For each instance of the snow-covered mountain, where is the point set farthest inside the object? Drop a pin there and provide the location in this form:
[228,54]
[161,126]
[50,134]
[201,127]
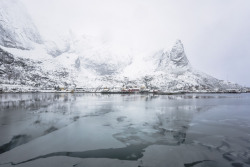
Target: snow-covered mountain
[27,61]
[172,71]
[16,27]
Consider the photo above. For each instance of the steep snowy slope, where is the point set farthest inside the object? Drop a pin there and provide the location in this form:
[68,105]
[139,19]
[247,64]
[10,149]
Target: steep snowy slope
[172,71]
[99,56]
[164,61]
[16,28]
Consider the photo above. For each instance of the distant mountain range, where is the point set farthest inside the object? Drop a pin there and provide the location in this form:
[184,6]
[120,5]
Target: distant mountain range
[28,62]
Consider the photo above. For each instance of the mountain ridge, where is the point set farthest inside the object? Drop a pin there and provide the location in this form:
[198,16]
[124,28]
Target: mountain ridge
[85,62]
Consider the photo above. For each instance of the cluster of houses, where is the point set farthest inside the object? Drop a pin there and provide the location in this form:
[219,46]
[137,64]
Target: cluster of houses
[133,89]
[117,90]
[128,90]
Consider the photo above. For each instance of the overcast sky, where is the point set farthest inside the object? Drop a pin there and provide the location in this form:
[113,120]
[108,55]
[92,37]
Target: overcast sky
[215,33]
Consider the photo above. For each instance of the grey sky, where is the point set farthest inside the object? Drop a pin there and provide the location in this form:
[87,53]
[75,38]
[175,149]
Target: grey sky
[215,33]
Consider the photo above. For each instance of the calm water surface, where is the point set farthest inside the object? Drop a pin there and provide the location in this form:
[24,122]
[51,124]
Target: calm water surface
[89,130]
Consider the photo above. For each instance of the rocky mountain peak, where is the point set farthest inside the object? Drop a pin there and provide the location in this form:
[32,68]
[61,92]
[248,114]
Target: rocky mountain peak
[177,54]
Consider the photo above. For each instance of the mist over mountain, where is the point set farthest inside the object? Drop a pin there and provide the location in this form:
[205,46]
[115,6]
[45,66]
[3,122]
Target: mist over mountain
[17,30]
[29,61]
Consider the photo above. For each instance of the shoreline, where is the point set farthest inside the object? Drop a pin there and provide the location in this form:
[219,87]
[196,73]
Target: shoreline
[127,93]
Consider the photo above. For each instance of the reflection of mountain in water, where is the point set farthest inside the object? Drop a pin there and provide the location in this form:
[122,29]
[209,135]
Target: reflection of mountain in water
[169,127]
[166,124]
[39,115]
[31,101]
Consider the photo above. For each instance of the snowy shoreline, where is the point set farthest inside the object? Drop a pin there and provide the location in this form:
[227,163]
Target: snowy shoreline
[129,93]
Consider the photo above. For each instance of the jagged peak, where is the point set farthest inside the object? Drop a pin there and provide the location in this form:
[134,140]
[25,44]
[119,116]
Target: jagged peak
[178,47]
[178,55]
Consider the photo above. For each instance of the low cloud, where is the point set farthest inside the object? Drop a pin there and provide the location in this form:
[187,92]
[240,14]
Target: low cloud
[215,33]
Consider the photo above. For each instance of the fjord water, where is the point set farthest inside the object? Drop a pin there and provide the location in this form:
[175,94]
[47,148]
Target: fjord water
[57,129]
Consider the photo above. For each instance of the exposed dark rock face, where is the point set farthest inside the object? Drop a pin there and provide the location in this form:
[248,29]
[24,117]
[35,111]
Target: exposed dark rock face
[78,63]
[5,57]
[16,70]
